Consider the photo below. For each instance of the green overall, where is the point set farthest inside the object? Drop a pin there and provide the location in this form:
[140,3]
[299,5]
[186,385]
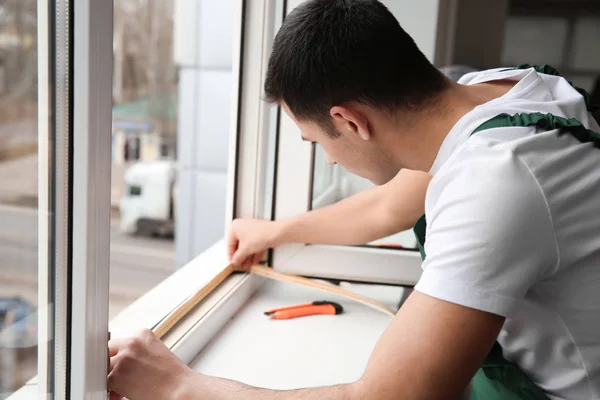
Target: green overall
[497,378]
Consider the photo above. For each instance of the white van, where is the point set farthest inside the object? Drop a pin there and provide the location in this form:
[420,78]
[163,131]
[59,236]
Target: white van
[147,206]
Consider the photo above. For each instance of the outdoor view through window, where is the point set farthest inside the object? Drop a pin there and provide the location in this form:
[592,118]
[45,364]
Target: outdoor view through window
[142,251]
[172,102]
[19,193]
[171,116]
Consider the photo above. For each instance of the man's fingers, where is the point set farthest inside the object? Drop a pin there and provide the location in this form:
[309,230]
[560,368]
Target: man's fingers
[257,258]
[115,396]
[114,345]
[232,246]
[111,379]
[238,258]
[247,263]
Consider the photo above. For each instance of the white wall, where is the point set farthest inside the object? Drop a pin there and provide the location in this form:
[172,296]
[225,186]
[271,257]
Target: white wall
[203,52]
[419,19]
[586,45]
[543,40]
[548,35]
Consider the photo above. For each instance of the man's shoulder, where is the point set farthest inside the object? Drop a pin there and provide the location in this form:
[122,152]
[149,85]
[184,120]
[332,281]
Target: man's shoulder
[488,229]
[485,175]
[483,156]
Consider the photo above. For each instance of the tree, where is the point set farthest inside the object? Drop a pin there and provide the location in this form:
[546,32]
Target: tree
[18,58]
[144,65]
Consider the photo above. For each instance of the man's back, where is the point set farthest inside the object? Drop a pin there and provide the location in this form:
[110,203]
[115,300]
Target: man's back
[513,229]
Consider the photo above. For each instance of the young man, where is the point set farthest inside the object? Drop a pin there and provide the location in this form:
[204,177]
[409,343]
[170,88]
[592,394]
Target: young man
[513,233]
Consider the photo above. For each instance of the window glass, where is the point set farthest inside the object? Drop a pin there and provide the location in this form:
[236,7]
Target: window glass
[332,183]
[20,174]
[269,171]
[271,142]
[325,187]
[172,82]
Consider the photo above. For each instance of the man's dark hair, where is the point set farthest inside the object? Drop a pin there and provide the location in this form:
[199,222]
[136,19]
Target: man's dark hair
[329,52]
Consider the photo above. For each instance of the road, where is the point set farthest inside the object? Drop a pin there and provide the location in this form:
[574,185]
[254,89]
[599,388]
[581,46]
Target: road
[136,264]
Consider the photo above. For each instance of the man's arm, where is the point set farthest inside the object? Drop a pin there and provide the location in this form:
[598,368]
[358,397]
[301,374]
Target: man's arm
[223,389]
[369,215]
[431,350]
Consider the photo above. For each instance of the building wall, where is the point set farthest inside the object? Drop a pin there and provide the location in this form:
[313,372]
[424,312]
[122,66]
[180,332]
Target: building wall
[419,19]
[203,52]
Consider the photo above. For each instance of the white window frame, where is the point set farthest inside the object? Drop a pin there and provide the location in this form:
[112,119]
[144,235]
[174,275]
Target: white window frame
[92,113]
[248,181]
[252,116]
[248,185]
[359,263]
[247,188]
[46,301]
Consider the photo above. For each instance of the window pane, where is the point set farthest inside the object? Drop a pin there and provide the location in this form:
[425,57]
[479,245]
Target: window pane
[172,87]
[19,163]
[332,183]
[273,131]
[269,171]
[325,186]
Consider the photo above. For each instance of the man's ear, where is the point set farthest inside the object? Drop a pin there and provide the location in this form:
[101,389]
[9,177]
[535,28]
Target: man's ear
[350,120]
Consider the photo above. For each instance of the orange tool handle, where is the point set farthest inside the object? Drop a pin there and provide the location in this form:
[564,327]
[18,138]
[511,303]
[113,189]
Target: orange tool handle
[305,311]
[274,310]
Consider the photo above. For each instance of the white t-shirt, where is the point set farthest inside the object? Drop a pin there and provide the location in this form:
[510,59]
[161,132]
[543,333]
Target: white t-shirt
[513,228]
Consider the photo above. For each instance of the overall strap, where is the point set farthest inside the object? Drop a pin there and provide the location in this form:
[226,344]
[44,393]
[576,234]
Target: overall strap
[419,231]
[547,122]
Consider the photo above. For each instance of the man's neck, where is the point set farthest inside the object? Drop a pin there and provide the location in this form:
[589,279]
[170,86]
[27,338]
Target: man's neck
[419,141]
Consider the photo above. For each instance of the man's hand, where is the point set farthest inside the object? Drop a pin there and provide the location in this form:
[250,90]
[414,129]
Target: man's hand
[248,239]
[143,368]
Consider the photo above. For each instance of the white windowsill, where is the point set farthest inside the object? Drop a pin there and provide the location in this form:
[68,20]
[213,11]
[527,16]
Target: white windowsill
[303,352]
[166,296]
